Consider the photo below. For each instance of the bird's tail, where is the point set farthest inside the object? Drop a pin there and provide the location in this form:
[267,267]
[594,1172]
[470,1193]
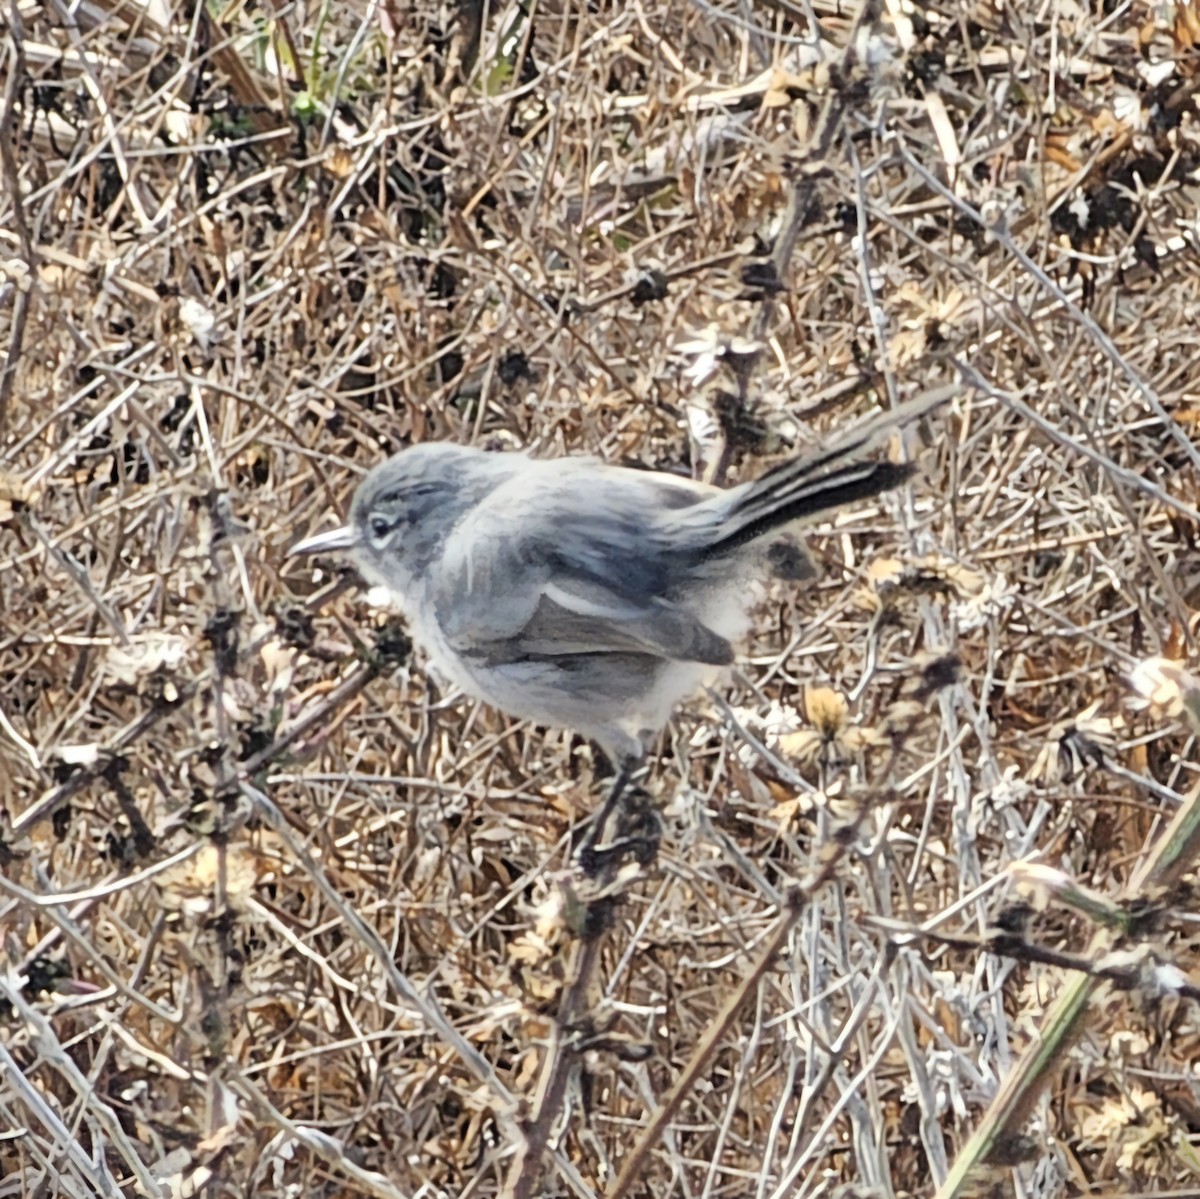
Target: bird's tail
[838,473]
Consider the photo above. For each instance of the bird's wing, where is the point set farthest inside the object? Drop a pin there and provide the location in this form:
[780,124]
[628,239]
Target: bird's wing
[569,558]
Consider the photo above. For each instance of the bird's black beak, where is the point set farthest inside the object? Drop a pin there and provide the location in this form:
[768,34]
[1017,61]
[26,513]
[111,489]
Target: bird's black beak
[334,541]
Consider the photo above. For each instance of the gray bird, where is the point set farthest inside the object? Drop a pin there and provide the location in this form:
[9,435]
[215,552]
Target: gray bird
[582,595]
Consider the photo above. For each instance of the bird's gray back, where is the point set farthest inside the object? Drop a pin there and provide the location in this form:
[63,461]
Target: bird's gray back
[608,525]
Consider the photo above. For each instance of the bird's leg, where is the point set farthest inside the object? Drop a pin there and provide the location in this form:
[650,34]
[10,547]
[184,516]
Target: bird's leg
[613,829]
[620,785]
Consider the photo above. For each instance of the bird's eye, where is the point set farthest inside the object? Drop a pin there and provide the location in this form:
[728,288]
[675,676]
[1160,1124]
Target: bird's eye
[381,527]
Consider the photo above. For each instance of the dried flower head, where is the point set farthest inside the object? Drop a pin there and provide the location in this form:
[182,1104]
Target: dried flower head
[14,495]
[1075,745]
[832,738]
[1165,690]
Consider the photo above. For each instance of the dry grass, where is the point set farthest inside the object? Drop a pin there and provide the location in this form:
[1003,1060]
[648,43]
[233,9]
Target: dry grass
[278,913]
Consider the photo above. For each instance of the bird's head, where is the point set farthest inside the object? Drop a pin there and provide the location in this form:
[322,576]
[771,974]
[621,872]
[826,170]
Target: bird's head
[405,508]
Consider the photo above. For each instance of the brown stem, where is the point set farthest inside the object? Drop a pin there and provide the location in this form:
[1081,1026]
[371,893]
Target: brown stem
[8,134]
